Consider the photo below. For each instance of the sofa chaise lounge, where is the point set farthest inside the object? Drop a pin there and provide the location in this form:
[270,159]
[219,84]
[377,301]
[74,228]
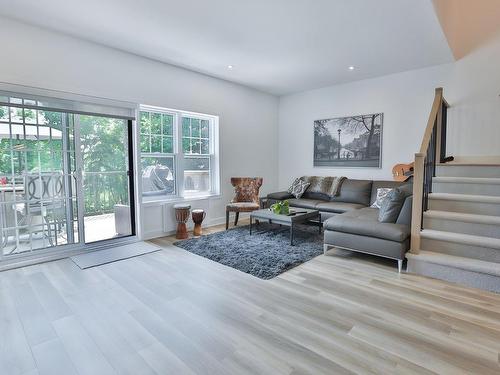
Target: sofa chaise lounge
[350,223]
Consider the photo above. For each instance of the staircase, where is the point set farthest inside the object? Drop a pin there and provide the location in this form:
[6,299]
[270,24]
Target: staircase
[455,229]
[460,235]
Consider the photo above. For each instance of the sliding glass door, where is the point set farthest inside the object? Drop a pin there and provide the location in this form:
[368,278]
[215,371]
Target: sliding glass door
[38,195]
[104,156]
[65,179]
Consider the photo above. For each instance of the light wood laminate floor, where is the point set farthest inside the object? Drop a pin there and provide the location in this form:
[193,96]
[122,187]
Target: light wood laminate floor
[172,312]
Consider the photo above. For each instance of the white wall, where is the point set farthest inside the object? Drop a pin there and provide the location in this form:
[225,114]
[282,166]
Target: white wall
[471,85]
[248,132]
[248,118]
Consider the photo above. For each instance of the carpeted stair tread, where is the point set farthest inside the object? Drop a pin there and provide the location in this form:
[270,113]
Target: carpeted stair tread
[467,180]
[468,170]
[469,164]
[463,217]
[468,264]
[465,198]
[460,238]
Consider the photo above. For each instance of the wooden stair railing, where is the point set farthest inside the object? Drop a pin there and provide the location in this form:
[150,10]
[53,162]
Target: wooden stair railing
[432,151]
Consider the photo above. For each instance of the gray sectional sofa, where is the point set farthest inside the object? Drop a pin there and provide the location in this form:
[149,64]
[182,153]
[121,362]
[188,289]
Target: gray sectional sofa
[350,223]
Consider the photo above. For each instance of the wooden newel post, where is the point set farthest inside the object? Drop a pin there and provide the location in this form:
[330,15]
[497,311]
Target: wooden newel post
[418,196]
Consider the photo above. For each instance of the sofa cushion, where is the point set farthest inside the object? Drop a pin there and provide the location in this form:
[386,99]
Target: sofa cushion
[242,207]
[365,214]
[304,203]
[318,196]
[407,188]
[338,207]
[369,245]
[354,191]
[365,222]
[280,195]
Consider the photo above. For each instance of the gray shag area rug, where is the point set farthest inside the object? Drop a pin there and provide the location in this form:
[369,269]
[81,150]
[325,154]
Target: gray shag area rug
[264,254]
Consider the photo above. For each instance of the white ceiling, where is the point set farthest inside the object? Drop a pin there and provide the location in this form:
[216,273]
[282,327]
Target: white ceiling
[277,46]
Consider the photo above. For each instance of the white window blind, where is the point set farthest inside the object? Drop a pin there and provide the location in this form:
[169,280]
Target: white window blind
[57,101]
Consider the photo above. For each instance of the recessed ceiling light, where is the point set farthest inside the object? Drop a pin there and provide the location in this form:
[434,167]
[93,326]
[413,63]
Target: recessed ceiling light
[230,67]
[351,68]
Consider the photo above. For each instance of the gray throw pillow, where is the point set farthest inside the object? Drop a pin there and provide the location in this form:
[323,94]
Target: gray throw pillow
[318,184]
[391,206]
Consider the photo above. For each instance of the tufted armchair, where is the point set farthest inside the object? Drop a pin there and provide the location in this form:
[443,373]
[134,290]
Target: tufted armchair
[246,198]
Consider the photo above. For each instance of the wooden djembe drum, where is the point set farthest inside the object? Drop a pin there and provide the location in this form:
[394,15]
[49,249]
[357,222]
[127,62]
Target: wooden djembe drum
[181,216]
[198,216]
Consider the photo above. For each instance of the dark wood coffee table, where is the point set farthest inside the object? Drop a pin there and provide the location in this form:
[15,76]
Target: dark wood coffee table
[301,216]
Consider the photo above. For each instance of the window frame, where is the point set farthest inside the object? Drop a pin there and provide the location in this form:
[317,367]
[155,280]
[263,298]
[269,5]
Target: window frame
[179,156]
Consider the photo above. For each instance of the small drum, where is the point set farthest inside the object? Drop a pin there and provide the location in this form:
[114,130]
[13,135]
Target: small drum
[198,216]
[181,216]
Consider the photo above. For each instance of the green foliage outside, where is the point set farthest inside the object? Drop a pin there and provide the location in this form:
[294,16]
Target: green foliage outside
[104,150]
[157,133]
[29,154]
[103,147]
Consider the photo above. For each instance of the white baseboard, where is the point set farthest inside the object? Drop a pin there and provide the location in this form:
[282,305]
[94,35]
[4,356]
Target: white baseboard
[215,221]
[209,223]
[154,234]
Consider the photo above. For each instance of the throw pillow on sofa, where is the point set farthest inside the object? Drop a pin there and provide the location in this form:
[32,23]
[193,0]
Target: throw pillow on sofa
[326,186]
[298,187]
[336,185]
[381,194]
[319,186]
[391,205]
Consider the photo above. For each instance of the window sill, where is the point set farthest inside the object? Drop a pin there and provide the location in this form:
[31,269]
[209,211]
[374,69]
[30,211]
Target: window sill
[154,201]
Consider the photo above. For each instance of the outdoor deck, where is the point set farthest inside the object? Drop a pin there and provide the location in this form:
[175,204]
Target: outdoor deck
[98,227]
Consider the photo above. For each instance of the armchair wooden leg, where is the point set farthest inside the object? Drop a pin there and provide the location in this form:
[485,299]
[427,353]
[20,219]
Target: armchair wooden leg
[236,217]
[227,220]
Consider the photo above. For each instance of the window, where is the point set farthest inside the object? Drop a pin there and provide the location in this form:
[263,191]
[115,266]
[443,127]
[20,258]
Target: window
[157,153]
[178,153]
[196,150]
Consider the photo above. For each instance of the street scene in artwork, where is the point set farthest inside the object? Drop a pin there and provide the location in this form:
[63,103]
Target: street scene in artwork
[353,141]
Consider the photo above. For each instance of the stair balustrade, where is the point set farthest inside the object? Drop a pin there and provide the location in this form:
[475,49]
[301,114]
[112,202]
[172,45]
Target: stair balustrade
[432,151]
